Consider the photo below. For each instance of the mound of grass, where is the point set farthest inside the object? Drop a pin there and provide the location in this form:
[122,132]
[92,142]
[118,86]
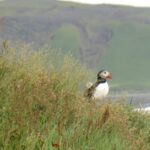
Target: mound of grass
[42,108]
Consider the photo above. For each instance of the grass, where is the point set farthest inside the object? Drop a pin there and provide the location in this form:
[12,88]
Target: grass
[42,107]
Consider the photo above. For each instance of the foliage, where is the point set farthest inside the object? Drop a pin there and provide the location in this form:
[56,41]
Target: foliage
[42,108]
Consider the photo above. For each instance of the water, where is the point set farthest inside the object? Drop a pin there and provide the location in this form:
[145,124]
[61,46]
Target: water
[136,98]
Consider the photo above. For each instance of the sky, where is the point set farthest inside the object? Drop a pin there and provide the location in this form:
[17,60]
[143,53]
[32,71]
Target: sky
[136,3]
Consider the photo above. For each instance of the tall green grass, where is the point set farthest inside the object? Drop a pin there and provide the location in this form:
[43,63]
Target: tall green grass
[42,107]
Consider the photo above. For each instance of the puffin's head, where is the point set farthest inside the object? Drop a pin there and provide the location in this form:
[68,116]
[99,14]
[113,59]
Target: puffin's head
[104,74]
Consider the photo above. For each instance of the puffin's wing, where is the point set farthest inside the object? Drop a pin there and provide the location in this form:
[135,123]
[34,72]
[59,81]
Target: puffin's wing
[89,84]
[89,91]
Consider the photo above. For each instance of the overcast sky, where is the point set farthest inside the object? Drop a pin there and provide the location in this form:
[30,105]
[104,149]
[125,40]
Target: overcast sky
[137,3]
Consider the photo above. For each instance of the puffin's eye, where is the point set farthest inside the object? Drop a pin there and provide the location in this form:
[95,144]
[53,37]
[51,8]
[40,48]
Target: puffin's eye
[104,72]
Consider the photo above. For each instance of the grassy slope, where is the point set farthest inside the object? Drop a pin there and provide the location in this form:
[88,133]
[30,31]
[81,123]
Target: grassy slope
[11,7]
[42,108]
[67,38]
[128,55]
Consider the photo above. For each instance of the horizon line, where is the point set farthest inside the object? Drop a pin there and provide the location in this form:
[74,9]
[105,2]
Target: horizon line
[105,3]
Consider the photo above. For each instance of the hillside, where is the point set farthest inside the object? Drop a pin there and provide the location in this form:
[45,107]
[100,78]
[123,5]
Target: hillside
[101,36]
[128,55]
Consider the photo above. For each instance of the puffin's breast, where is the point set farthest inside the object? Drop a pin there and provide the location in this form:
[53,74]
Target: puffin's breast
[101,91]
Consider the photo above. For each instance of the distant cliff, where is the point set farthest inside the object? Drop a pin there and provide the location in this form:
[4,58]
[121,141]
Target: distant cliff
[84,30]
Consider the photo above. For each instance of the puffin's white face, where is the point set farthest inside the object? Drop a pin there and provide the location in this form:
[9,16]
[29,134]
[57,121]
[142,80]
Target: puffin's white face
[105,74]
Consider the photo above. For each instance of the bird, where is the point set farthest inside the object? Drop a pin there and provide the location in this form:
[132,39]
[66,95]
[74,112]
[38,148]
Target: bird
[100,88]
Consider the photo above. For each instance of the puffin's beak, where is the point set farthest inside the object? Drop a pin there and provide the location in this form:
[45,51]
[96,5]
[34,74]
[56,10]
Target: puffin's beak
[109,76]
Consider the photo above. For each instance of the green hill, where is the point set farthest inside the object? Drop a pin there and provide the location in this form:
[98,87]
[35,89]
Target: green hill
[67,38]
[128,55]
[102,36]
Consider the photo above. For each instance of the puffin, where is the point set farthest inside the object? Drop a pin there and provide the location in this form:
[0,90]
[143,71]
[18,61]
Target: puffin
[100,88]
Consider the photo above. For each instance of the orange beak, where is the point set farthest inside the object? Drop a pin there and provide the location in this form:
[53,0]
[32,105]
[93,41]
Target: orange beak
[109,76]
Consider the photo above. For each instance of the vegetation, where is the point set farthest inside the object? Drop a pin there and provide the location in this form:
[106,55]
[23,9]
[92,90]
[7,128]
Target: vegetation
[42,107]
